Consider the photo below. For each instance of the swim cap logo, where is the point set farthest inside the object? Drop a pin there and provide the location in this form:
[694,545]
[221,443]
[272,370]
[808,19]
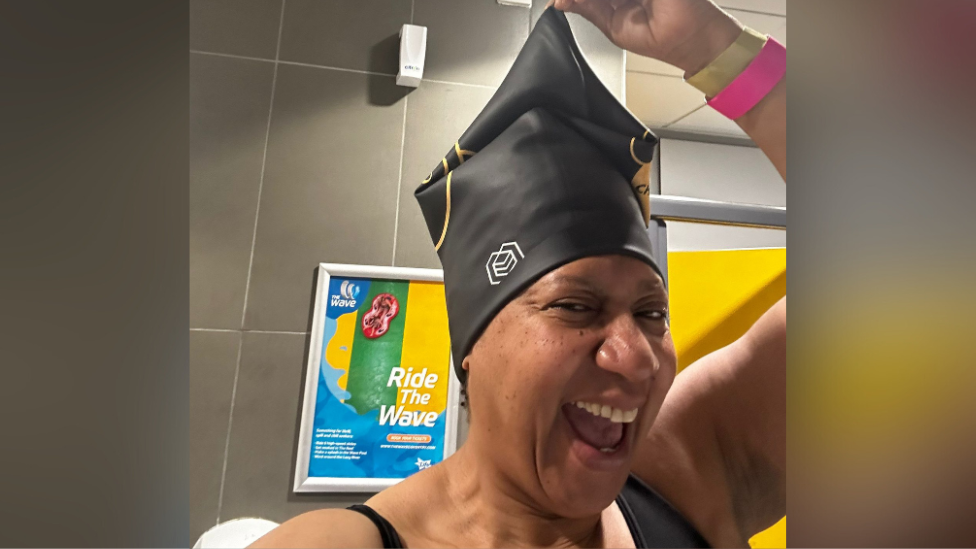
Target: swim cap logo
[502,262]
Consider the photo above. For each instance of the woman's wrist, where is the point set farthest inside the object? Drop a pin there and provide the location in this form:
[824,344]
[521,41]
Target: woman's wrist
[714,39]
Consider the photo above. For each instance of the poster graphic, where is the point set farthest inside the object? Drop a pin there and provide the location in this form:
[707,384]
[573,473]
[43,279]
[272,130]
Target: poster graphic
[381,407]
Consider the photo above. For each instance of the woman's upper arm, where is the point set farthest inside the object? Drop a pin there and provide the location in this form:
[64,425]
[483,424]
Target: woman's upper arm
[765,124]
[718,448]
[323,528]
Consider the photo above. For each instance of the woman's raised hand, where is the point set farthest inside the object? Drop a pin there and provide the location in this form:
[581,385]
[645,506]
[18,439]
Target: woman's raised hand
[688,34]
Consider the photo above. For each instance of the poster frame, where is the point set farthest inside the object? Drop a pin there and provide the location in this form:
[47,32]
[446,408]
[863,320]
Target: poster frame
[302,482]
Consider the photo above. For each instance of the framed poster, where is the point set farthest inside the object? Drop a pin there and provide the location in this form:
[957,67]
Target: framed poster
[381,397]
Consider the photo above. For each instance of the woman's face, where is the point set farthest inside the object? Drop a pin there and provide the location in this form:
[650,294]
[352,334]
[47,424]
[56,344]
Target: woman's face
[588,340]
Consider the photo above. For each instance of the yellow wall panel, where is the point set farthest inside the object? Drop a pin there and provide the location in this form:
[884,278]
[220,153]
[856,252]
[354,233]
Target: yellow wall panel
[717,295]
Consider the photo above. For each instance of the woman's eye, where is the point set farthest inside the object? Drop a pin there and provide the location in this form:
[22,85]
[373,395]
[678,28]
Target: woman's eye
[655,315]
[572,307]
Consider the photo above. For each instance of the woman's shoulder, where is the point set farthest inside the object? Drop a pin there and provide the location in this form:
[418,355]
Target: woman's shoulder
[324,528]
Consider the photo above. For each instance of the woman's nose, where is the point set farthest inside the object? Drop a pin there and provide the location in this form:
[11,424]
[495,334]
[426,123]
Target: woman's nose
[626,351]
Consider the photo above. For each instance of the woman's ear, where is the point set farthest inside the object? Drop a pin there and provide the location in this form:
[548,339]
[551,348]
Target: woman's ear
[465,364]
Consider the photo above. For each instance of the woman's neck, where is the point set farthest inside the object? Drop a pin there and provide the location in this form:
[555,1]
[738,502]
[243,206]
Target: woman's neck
[487,509]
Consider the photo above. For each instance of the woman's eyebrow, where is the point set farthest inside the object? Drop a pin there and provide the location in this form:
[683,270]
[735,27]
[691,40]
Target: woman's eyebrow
[570,280]
[653,286]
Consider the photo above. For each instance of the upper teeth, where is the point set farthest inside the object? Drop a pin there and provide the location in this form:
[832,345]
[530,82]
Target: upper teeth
[615,415]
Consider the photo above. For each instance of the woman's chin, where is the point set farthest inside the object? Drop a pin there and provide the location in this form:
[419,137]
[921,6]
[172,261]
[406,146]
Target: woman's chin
[588,479]
[581,494]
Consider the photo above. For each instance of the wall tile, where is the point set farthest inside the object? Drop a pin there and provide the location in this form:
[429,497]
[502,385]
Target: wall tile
[350,34]
[239,27]
[213,360]
[330,187]
[229,100]
[265,433]
[437,115]
[471,42]
[606,59]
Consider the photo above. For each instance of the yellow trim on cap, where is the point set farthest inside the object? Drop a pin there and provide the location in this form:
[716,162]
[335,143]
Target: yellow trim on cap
[444,163]
[729,64]
[461,153]
[447,213]
[633,155]
[642,188]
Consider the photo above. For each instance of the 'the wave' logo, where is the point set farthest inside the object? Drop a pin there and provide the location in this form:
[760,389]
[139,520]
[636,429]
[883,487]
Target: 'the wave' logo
[348,292]
[502,262]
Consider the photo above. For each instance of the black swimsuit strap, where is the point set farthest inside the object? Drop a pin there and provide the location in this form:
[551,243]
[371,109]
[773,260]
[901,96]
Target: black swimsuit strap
[391,539]
[652,520]
[631,520]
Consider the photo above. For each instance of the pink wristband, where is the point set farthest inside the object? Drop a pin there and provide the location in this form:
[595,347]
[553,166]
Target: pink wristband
[759,78]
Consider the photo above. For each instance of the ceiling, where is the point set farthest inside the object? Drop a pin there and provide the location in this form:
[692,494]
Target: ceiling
[657,94]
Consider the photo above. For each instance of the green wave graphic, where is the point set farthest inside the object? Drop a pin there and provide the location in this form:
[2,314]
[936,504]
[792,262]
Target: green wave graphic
[372,360]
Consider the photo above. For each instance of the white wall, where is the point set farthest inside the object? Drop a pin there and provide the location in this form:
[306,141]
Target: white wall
[720,172]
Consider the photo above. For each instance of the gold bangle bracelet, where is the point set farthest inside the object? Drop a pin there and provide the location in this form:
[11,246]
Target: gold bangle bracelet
[729,64]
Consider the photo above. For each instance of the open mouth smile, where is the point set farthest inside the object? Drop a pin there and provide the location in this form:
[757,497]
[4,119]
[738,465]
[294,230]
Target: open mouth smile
[600,432]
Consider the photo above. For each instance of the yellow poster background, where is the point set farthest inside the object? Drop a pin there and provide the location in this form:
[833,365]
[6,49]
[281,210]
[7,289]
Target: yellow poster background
[715,297]
[427,342]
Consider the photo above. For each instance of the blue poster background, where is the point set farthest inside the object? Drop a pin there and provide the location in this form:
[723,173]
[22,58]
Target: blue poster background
[363,435]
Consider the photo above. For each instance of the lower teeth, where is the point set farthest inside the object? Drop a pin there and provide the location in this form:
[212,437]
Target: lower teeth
[607,450]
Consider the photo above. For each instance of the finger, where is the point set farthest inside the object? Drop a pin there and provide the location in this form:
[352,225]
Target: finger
[629,14]
[598,12]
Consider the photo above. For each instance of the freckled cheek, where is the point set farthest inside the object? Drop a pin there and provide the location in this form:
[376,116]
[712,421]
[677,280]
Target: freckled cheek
[665,356]
[526,408]
[537,388]
[667,366]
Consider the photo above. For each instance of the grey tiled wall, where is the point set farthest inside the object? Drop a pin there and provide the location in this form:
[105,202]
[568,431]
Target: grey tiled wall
[303,150]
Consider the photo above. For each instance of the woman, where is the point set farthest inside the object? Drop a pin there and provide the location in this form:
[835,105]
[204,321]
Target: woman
[562,337]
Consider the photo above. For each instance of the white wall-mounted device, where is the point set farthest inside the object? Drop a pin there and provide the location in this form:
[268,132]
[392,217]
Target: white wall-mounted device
[520,3]
[413,49]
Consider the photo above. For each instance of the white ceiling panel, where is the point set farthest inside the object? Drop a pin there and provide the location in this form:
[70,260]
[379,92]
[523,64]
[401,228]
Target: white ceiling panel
[766,24]
[720,172]
[640,63]
[658,100]
[708,120]
[777,7]
[780,32]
